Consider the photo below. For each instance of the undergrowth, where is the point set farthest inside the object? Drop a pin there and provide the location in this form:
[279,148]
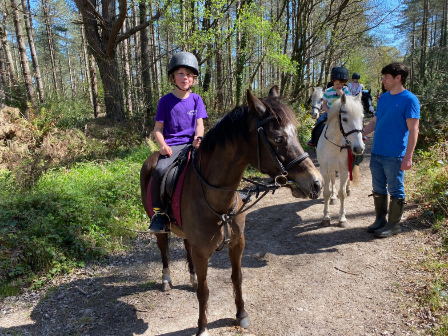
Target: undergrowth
[69,216]
[427,185]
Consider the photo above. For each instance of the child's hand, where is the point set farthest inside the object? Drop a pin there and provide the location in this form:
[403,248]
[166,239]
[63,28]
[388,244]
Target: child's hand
[197,141]
[166,150]
[339,92]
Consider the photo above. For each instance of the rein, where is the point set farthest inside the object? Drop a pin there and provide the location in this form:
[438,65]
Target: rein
[259,187]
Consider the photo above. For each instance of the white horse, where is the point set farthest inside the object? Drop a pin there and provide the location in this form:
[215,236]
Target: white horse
[342,132]
[316,102]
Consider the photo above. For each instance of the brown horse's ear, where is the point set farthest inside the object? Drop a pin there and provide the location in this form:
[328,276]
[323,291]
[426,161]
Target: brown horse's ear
[273,92]
[343,99]
[255,104]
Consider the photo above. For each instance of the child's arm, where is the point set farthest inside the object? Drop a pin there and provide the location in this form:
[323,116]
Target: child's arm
[325,106]
[199,132]
[158,134]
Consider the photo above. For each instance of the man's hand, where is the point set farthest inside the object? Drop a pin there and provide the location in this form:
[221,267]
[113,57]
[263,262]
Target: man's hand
[166,150]
[197,141]
[406,164]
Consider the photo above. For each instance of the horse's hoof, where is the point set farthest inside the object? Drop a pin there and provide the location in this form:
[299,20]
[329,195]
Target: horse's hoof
[343,224]
[326,222]
[332,201]
[166,286]
[204,333]
[243,323]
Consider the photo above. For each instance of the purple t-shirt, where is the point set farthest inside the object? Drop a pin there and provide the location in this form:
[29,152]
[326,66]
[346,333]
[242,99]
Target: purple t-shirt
[179,117]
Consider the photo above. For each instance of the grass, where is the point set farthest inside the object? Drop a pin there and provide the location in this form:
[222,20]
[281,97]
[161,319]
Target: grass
[70,215]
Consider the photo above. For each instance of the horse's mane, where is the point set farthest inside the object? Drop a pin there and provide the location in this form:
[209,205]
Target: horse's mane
[234,123]
[353,106]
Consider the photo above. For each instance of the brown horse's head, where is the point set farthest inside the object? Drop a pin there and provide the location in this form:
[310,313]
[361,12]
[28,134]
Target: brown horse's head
[281,134]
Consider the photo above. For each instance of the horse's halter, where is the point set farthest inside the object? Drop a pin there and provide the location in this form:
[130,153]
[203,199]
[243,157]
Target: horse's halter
[317,104]
[345,135]
[282,170]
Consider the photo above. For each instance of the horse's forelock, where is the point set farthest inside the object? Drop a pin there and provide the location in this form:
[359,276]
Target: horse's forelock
[284,115]
[353,107]
[317,94]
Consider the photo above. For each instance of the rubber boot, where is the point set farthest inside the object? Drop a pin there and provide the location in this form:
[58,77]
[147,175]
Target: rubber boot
[157,223]
[380,201]
[392,227]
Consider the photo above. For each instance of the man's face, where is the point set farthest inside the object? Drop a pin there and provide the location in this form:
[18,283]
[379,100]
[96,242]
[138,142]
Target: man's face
[338,84]
[390,81]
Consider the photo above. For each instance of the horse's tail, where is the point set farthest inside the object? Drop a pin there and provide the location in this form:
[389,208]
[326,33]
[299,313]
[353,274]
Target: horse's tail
[356,175]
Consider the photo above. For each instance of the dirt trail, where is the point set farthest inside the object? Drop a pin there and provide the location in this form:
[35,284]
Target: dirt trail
[299,279]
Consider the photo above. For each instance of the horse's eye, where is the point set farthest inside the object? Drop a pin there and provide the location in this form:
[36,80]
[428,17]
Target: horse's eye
[278,139]
[344,119]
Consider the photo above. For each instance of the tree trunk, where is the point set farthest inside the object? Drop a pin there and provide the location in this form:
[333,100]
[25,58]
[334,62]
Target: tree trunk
[155,71]
[50,44]
[127,72]
[94,87]
[23,58]
[3,79]
[72,78]
[9,60]
[30,33]
[146,74]
[87,66]
[424,39]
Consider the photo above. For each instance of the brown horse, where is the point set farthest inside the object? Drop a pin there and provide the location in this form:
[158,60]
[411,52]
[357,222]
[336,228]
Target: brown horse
[226,150]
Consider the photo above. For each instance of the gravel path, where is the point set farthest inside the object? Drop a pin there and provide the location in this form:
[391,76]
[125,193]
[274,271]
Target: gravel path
[299,279]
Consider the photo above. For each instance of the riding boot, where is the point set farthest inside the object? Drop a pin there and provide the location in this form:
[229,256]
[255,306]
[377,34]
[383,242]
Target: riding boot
[158,222]
[396,207]
[380,201]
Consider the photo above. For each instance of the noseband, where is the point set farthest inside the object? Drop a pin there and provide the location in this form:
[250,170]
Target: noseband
[345,135]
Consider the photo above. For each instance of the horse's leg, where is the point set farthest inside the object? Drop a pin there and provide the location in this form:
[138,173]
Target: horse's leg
[163,244]
[327,194]
[193,280]
[333,187]
[201,265]
[342,196]
[348,188]
[235,254]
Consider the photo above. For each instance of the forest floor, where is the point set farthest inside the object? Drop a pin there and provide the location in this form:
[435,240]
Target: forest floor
[299,278]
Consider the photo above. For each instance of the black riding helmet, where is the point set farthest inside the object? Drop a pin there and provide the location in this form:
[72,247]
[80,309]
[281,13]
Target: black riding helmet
[340,73]
[183,59]
[356,76]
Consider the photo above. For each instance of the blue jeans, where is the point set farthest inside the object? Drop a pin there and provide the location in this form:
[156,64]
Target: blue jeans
[387,175]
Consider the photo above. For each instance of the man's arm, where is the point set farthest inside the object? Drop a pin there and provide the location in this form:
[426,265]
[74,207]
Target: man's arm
[369,128]
[412,141]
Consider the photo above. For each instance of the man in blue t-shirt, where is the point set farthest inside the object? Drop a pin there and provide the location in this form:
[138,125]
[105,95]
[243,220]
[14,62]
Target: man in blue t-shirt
[396,131]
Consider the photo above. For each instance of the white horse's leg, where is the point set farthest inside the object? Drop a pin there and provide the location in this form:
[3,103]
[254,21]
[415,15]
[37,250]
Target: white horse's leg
[327,194]
[347,189]
[333,187]
[166,280]
[342,196]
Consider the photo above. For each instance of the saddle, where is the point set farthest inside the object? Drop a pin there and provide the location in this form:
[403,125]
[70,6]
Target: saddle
[317,131]
[171,177]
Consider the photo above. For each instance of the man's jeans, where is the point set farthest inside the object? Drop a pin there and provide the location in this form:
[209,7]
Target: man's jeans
[387,175]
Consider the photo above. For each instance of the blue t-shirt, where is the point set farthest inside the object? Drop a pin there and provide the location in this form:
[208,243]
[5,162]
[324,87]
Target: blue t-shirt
[391,129]
[179,117]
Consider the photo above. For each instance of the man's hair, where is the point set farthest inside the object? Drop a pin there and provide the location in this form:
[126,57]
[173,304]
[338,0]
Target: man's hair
[396,69]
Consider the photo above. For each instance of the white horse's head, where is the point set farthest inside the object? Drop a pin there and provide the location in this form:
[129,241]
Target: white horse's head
[316,102]
[348,113]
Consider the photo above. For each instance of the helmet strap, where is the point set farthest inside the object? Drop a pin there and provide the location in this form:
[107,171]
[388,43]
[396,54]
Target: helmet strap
[183,89]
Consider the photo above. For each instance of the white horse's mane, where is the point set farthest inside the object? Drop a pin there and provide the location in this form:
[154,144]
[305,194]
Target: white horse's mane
[353,107]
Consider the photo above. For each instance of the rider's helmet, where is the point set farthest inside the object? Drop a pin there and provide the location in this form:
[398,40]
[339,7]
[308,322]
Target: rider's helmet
[356,76]
[183,59]
[340,73]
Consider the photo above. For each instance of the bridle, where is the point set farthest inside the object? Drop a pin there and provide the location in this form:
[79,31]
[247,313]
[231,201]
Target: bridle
[345,135]
[317,104]
[259,187]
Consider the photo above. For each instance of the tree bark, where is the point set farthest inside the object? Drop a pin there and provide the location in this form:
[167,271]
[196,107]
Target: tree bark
[30,33]
[146,73]
[9,59]
[23,58]
[72,78]
[94,87]
[87,66]
[50,44]
[127,72]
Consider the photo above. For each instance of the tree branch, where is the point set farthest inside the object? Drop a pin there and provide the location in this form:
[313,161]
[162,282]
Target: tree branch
[122,9]
[135,29]
[95,13]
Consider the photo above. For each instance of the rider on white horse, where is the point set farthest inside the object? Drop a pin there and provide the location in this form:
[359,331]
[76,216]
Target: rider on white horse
[355,86]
